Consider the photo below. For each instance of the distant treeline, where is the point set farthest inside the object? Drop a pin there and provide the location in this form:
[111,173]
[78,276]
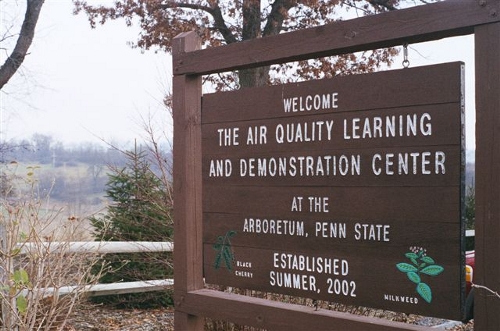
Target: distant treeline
[76,174]
[43,149]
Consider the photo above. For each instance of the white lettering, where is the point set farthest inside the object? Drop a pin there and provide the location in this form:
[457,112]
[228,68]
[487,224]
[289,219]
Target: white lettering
[301,166]
[371,232]
[220,168]
[314,102]
[414,163]
[303,132]
[409,125]
[228,137]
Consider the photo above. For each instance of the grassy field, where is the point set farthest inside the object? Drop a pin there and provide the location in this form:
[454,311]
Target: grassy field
[63,198]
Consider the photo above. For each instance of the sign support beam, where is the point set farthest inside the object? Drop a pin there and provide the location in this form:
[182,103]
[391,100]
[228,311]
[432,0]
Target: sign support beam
[278,316]
[435,21]
[487,271]
[188,257]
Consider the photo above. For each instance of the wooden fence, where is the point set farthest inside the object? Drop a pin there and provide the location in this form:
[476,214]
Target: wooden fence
[105,248]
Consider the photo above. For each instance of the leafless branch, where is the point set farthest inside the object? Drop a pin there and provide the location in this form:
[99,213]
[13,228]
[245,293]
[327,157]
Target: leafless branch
[215,12]
[487,289]
[16,58]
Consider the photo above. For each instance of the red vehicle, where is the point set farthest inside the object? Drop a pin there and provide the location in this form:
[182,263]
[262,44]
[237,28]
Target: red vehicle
[469,275]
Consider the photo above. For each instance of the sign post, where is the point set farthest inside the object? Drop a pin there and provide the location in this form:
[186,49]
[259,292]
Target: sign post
[332,209]
[487,272]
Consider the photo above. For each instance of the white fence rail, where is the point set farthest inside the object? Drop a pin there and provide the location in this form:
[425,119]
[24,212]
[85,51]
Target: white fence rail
[113,288]
[105,248]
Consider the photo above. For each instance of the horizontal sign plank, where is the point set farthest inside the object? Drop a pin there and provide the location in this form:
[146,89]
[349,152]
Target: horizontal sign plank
[325,233]
[381,90]
[359,276]
[431,166]
[395,28]
[376,203]
[410,126]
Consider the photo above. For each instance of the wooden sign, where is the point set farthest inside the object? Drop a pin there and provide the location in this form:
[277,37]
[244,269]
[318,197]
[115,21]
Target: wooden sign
[346,190]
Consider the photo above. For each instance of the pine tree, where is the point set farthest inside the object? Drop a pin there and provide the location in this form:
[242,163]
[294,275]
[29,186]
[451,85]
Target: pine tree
[139,211]
[470,208]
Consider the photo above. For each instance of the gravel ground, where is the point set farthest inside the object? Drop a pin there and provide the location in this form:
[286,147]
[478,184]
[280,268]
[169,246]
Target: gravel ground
[99,318]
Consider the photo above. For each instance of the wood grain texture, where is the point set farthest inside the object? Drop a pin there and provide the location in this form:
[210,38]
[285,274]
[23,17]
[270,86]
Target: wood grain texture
[187,185]
[277,316]
[249,213]
[413,25]
[487,273]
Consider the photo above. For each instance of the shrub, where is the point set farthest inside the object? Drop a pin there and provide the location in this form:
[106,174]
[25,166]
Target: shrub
[139,211]
[35,269]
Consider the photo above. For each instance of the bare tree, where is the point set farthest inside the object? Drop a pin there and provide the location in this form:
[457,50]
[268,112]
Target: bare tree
[24,40]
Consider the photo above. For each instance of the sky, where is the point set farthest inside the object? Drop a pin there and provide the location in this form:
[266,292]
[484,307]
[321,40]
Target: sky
[87,85]
[82,84]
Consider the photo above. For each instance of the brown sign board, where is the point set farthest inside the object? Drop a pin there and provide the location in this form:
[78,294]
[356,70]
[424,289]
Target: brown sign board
[346,190]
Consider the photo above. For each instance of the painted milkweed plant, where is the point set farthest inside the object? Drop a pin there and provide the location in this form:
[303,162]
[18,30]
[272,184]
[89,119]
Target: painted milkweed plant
[224,251]
[421,264]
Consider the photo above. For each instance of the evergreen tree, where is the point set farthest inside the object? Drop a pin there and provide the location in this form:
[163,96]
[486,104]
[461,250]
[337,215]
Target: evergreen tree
[139,211]
[470,208]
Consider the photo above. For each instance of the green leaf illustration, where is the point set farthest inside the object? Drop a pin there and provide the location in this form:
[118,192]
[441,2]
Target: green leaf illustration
[411,255]
[228,257]
[414,277]
[425,292]
[405,267]
[218,244]
[218,258]
[432,270]
[428,260]
[421,264]
[224,251]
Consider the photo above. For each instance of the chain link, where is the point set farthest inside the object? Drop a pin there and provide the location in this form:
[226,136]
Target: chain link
[406,62]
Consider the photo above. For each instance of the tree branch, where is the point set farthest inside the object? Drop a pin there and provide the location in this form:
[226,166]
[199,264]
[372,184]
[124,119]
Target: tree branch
[276,17]
[14,61]
[251,19]
[382,3]
[487,289]
[221,26]
[174,4]
[215,12]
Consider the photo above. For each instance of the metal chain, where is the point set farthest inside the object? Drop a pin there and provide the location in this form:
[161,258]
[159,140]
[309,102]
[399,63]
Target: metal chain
[406,62]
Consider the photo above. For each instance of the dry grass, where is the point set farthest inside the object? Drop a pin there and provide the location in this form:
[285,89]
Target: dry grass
[33,270]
